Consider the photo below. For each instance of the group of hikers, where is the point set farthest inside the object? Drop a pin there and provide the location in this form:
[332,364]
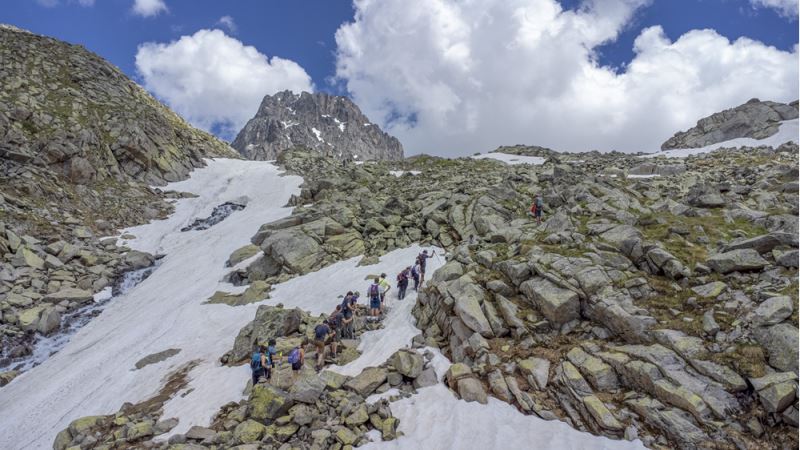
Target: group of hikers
[339,324]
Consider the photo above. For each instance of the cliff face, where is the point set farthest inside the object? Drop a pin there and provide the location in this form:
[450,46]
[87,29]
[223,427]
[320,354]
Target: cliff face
[754,119]
[331,125]
[66,109]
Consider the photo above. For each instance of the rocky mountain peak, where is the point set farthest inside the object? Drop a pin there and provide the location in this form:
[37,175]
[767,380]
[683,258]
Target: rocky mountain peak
[330,124]
[66,110]
[755,119]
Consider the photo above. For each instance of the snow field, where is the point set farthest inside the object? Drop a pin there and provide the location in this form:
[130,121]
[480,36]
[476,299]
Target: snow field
[93,373]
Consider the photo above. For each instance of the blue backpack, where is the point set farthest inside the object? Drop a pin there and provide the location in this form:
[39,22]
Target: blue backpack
[294,355]
[255,361]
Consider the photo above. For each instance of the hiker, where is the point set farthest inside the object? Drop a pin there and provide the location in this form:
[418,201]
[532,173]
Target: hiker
[423,260]
[537,207]
[335,322]
[374,296]
[347,315]
[321,333]
[415,273]
[385,286]
[258,362]
[402,282]
[270,355]
[297,357]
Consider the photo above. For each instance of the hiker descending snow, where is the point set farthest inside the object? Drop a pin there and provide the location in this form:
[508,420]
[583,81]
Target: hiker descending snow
[402,282]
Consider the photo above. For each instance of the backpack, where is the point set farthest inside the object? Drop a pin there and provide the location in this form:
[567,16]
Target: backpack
[335,319]
[294,355]
[533,208]
[255,361]
[414,271]
[374,291]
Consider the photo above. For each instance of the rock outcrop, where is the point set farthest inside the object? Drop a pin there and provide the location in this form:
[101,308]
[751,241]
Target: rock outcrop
[331,125]
[754,119]
[68,110]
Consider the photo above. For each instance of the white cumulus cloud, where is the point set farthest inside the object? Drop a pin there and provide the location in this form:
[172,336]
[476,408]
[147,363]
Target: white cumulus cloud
[786,8]
[149,8]
[227,22]
[215,81]
[456,77]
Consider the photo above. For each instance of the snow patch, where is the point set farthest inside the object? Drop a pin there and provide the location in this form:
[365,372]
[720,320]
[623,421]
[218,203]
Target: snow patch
[512,159]
[400,173]
[788,131]
[318,134]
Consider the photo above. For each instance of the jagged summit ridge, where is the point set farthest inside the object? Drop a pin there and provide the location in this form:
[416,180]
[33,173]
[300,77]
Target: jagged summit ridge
[755,119]
[332,125]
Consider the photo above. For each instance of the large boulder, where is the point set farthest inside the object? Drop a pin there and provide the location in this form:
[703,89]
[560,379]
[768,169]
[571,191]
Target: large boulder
[270,322]
[408,363]
[741,260]
[780,341]
[705,196]
[558,305]
[308,388]
[367,381]
[468,297]
[764,243]
[70,295]
[293,249]
[268,402]
[773,310]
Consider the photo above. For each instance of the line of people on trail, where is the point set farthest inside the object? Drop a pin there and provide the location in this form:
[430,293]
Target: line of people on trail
[340,323]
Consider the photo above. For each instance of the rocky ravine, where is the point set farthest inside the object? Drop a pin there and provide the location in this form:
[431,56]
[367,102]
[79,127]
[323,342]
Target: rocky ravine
[329,124]
[754,119]
[79,145]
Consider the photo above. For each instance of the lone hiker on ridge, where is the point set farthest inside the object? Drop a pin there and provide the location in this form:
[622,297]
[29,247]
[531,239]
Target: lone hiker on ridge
[537,207]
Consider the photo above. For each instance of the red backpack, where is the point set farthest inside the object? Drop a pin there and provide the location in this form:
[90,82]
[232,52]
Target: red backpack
[533,208]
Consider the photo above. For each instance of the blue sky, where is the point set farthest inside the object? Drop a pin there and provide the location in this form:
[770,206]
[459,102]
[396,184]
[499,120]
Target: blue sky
[374,56]
[304,30]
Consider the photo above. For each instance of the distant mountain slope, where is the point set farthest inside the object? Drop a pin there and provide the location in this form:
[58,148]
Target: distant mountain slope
[331,125]
[754,119]
[68,110]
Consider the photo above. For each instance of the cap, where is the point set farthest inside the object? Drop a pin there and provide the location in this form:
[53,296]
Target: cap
[424,251]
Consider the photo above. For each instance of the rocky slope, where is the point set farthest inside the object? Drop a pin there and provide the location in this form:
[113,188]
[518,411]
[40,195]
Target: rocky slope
[754,119]
[331,125]
[662,308]
[79,144]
